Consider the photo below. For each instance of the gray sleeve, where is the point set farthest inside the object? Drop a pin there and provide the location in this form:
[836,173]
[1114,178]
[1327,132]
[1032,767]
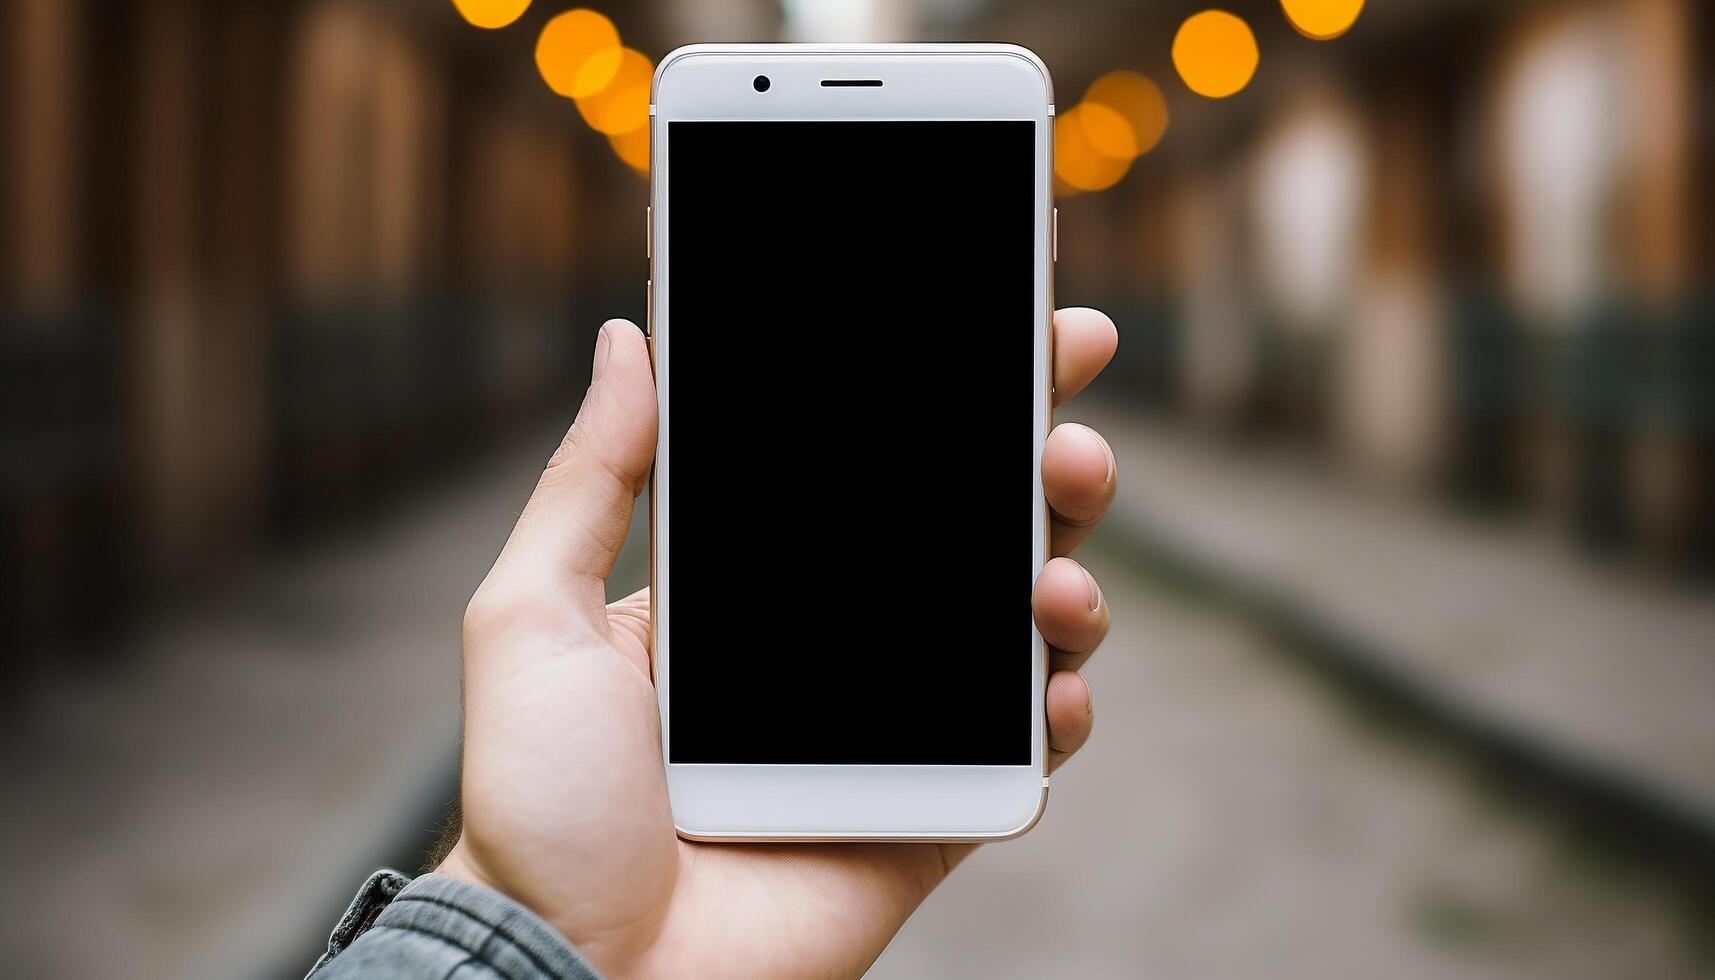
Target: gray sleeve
[439,928]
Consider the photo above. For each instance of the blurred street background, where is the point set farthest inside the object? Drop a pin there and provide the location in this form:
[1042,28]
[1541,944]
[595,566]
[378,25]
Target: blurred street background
[1413,663]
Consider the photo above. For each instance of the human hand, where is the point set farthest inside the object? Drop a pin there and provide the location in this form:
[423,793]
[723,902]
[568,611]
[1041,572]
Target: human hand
[564,794]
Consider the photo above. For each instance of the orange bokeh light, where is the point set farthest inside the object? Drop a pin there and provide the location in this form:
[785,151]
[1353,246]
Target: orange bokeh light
[1215,53]
[621,105]
[1107,131]
[633,148]
[1077,162]
[578,53]
[491,14]
[1322,20]
[1138,100]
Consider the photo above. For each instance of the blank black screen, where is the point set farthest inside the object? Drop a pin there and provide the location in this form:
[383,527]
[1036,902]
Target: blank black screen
[850,408]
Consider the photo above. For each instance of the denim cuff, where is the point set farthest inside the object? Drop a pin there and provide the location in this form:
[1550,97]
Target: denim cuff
[438,926]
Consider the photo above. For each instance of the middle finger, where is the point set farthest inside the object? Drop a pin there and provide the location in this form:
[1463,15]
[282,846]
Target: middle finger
[1070,612]
[1079,478]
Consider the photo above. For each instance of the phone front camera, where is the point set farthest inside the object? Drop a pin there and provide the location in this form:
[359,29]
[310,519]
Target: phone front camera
[760,83]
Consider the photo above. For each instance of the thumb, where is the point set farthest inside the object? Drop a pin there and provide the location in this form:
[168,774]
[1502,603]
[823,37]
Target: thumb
[577,518]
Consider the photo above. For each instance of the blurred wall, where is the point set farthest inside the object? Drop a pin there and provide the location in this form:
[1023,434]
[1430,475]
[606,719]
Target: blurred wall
[264,264]
[1462,251]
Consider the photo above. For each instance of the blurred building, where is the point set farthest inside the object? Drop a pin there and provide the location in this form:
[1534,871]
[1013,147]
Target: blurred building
[264,260]
[1466,246]
[263,264]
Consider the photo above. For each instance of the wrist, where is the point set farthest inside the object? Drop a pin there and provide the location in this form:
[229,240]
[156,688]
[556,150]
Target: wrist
[461,865]
[458,865]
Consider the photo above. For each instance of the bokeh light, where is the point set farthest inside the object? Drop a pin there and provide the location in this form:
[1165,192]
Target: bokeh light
[1135,98]
[578,53]
[621,105]
[1077,162]
[491,14]
[633,148]
[1322,20]
[1108,132]
[1215,53]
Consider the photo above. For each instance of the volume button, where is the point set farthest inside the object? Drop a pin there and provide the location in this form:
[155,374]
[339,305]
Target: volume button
[1056,234]
[648,231]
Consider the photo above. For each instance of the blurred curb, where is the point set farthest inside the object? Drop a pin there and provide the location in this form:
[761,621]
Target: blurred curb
[1666,824]
[394,823]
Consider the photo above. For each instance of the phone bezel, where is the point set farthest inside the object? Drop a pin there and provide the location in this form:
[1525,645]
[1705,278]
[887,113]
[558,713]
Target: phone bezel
[741,802]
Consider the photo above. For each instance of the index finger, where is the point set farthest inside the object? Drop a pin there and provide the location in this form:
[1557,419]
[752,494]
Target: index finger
[1084,342]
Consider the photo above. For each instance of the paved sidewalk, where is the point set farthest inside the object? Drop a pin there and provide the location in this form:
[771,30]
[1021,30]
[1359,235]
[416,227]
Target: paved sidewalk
[1233,819]
[214,799]
[1603,669]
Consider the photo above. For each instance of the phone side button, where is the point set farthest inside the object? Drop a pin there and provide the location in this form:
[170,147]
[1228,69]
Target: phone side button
[649,310]
[1056,245]
[648,231]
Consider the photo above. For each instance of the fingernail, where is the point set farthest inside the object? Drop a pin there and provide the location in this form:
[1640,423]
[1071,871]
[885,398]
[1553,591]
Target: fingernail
[600,362]
[1107,451]
[1095,592]
[1089,698]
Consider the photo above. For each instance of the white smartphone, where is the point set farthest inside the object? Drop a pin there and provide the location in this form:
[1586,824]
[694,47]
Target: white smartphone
[850,280]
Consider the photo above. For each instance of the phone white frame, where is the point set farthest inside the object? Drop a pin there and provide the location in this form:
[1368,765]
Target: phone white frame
[739,802]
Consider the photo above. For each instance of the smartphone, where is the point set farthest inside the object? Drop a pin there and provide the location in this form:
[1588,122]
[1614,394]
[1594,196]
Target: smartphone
[850,290]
